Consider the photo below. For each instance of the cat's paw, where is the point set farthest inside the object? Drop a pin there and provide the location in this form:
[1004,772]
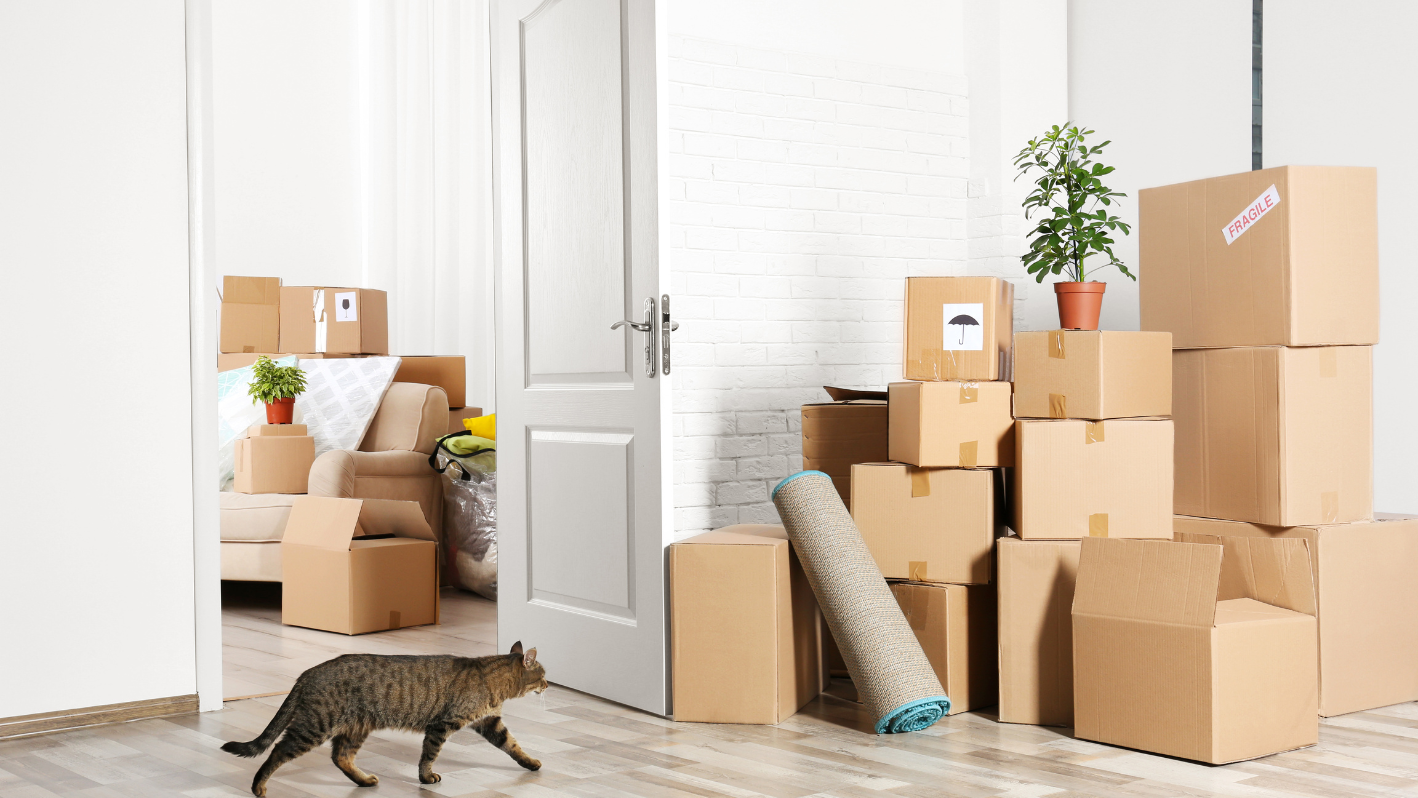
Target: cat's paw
[370,780]
[531,764]
[430,778]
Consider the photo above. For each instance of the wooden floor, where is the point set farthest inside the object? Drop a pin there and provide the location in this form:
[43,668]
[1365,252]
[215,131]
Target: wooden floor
[591,747]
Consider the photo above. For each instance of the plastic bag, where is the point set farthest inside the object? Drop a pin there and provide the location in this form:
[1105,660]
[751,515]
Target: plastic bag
[470,519]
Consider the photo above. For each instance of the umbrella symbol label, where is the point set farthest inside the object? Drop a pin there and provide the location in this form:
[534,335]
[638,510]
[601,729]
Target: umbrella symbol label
[963,331]
[346,306]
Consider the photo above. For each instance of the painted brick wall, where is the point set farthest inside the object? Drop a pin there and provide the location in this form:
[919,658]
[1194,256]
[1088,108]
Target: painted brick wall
[803,190]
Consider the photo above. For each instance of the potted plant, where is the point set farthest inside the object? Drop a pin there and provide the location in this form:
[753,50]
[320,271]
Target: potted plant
[1076,224]
[277,387]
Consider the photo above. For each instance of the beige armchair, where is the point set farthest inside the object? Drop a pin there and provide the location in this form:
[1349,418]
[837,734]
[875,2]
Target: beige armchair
[391,463]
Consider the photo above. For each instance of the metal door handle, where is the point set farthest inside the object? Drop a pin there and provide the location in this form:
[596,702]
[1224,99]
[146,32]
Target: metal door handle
[666,327]
[640,326]
[648,327]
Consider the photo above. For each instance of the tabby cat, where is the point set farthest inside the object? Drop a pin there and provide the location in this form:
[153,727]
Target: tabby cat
[351,696]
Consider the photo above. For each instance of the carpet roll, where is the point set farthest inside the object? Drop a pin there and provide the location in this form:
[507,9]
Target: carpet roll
[892,675]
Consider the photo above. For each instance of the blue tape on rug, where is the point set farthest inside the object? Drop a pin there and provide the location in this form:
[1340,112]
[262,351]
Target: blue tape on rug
[786,480]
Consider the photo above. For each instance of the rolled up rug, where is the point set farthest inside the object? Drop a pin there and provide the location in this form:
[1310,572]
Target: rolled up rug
[892,675]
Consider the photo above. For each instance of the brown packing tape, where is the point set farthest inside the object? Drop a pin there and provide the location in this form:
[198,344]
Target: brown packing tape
[920,482]
[969,453]
[916,571]
[394,619]
[247,350]
[1058,405]
[1329,506]
[1092,432]
[1329,362]
[969,392]
[1056,344]
[1098,525]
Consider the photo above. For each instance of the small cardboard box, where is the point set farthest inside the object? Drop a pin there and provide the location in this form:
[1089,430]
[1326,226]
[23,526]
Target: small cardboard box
[745,632]
[1092,375]
[1078,479]
[958,328]
[1274,257]
[358,565]
[955,625]
[351,321]
[1036,579]
[274,458]
[1182,650]
[1366,592]
[1275,435]
[448,372]
[928,524]
[230,362]
[957,424]
[250,314]
[456,416]
[840,434]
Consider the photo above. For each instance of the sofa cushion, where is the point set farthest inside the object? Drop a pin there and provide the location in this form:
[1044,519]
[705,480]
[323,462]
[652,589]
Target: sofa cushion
[411,418]
[245,561]
[254,516]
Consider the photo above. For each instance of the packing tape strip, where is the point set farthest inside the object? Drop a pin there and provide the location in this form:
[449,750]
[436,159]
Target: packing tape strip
[1092,432]
[394,619]
[1058,405]
[920,482]
[917,611]
[1098,525]
[969,453]
[1056,344]
[969,392]
[318,309]
[1329,506]
[916,571]
[1329,362]
[248,350]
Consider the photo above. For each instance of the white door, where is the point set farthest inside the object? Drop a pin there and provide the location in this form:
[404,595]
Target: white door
[582,466]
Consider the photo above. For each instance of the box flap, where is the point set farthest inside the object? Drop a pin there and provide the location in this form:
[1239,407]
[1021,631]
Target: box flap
[323,522]
[389,517]
[850,394]
[1275,571]
[740,535]
[1148,580]
[251,290]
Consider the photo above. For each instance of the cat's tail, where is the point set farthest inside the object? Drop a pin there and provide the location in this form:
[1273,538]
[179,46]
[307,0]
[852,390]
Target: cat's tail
[272,731]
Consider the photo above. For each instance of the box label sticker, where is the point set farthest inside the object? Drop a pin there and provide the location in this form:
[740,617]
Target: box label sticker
[964,326]
[1262,205]
[346,306]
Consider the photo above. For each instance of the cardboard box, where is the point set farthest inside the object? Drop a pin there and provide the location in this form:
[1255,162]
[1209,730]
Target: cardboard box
[1176,653]
[745,632]
[1091,374]
[1274,257]
[1036,580]
[958,328]
[1275,435]
[1078,479]
[353,321]
[1366,593]
[229,362]
[250,314]
[928,524]
[340,574]
[838,435]
[448,372]
[274,458]
[456,416]
[960,424]
[955,625]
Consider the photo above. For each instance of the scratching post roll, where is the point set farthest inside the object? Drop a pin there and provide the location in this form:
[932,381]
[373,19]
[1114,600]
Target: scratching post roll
[891,672]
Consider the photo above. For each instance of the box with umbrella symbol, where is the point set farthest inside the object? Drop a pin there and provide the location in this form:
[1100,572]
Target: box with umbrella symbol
[963,331]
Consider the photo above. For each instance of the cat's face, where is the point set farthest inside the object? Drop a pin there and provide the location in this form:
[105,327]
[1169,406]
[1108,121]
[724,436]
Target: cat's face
[534,676]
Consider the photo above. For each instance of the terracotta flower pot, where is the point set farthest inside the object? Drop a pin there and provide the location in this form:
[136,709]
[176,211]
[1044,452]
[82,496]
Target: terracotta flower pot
[280,411]
[1079,304]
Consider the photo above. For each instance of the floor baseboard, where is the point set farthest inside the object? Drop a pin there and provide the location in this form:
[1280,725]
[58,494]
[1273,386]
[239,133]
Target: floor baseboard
[46,722]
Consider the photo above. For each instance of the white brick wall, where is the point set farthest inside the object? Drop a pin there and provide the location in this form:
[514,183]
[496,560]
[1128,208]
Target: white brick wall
[803,190]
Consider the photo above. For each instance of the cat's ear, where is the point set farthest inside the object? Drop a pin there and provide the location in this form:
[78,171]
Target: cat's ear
[517,647]
[530,659]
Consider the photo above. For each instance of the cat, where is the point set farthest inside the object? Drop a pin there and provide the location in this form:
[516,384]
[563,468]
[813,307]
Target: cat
[348,697]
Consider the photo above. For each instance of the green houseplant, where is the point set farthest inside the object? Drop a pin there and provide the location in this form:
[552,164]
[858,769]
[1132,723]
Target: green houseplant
[1075,223]
[276,387]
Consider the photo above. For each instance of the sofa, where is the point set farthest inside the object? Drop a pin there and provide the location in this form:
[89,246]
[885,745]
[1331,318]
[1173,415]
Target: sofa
[391,463]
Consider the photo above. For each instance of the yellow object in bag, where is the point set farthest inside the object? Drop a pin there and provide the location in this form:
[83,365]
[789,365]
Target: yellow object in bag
[482,426]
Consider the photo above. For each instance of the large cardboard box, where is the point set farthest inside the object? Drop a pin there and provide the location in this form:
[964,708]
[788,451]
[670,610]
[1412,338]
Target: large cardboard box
[274,458]
[1036,579]
[958,328]
[448,372]
[1366,592]
[1274,257]
[955,625]
[352,321]
[1176,653]
[250,314]
[358,565]
[745,632]
[1275,435]
[230,362]
[837,435]
[1091,374]
[960,424]
[929,524]
[1077,479]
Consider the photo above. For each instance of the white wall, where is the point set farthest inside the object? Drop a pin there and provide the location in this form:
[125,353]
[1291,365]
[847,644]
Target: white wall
[96,564]
[1170,84]
[1338,87]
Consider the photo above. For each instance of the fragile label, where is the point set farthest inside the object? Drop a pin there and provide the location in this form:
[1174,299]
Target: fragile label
[964,326]
[346,306]
[1251,215]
